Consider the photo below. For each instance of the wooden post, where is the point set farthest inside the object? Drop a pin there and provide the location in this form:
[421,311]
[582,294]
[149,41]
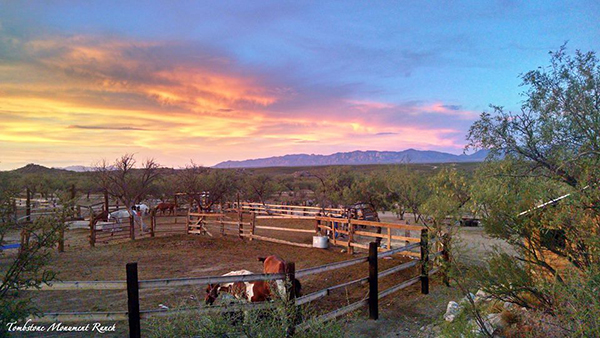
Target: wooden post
[176,205]
[131,228]
[92,229]
[106,205]
[28,206]
[373,287]
[350,229]
[222,225]
[152,222]
[133,300]
[187,222]
[317,229]
[424,262]
[240,225]
[15,215]
[24,242]
[389,238]
[446,258]
[292,315]
[333,226]
[252,225]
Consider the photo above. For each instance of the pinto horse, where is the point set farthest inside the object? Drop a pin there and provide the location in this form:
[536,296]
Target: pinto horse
[274,264]
[257,291]
[164,206]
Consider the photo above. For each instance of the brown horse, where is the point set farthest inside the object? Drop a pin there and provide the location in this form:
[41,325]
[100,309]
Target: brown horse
[164,206]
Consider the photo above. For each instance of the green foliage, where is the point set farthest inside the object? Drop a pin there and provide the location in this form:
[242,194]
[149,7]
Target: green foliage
[449,195]
[335,186]
[408,190]
[262,323]
[551,149]
[28,268]
[259,187]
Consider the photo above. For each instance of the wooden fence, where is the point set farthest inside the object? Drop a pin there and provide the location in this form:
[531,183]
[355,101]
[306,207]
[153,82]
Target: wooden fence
[133,286]
[348,232]
[125,228]
[286,211]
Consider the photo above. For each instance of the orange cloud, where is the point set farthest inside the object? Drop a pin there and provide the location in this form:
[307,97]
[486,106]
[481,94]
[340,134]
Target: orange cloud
[75,100]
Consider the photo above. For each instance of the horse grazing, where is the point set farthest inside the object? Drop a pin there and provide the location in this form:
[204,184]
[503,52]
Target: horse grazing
[274,264]
[164,206]
[249,291]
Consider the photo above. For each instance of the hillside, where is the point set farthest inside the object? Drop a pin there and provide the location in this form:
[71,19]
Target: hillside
[356,158]
[33,168]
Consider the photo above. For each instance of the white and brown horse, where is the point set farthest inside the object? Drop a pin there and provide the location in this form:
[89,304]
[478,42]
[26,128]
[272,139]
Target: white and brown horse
[257,291]
[274,264]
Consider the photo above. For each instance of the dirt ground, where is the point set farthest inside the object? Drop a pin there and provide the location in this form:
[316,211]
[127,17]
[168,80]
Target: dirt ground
[402,314]
[180,255]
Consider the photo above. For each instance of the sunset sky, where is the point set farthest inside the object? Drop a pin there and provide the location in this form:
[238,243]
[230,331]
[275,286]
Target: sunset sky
[214,81]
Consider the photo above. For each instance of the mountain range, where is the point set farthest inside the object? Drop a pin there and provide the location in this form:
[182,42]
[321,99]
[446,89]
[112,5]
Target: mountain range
[356,158]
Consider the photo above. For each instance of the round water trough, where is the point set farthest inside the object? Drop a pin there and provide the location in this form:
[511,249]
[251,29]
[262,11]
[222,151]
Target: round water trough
[320,242]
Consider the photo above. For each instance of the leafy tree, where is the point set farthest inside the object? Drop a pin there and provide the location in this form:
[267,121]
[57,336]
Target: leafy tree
[208,187]
[408,189]
[259,187]
[335,186]
[370,189]
[543,196]
[449,195]
[28,268]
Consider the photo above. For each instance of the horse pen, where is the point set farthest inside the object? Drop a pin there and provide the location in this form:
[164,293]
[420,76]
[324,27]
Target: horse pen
[333,282]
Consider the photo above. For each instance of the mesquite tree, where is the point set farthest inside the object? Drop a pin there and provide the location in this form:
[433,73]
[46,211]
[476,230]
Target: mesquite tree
[125,182]
[543,195]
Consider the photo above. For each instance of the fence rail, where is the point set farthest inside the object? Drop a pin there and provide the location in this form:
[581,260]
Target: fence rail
[133,285]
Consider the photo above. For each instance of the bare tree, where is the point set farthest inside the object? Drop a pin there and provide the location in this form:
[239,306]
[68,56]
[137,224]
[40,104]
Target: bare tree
[189,181]
[125,182]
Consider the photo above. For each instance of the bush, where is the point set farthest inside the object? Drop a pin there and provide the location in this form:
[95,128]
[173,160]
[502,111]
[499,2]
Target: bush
[264,323]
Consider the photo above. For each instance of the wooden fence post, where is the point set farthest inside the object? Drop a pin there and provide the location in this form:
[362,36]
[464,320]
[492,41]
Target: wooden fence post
[176,207]
[446,258]
[15,211]
[153,222]
[350,236]
[133,300]
[222,225]
[187,221]
[131,228]
[106,205]
[252,225]
[373,287]
[240,225]
[317,228]
[424,262]
[292,315]
[28,206]
[92,229]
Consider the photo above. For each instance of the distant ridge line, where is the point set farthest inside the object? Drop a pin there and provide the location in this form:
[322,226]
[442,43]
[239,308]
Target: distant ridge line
[356,158]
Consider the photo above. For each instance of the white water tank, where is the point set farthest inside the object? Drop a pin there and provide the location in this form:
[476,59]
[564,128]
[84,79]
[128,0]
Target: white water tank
[320,242]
